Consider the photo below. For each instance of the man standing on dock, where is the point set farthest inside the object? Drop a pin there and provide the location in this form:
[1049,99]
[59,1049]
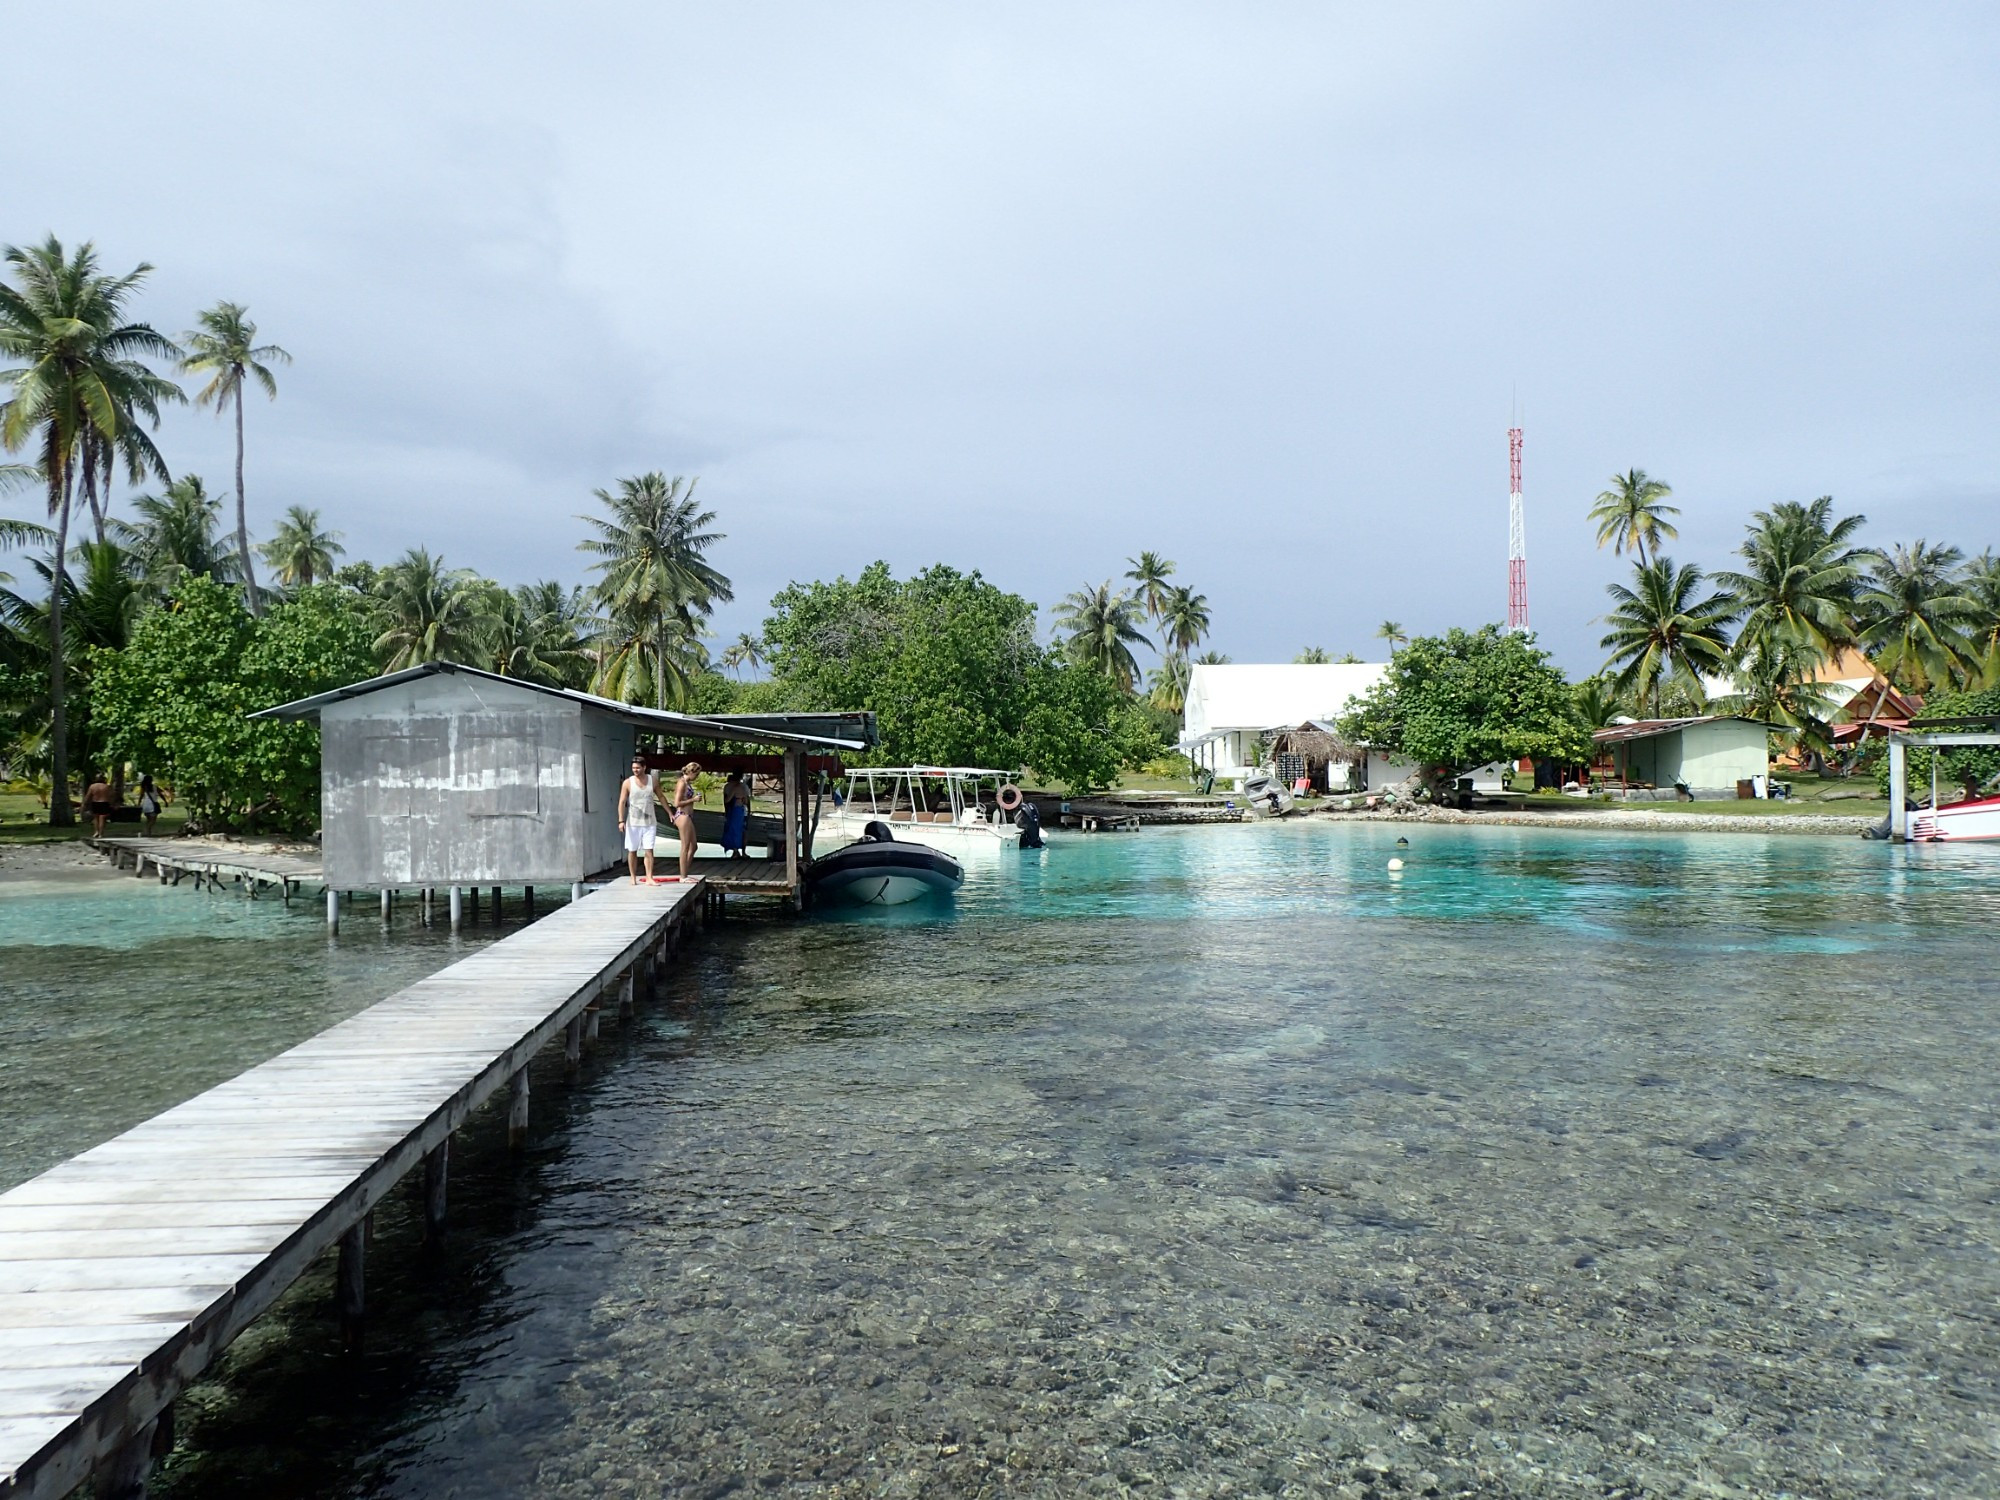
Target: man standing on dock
[637,819]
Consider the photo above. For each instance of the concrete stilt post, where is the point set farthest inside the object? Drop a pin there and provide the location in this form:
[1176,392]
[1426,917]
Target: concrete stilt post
[332,910]
[1899,790]
[388,903]
[457,908]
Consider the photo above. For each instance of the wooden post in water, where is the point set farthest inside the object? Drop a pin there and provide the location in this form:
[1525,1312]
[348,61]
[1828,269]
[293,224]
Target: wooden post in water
[517,1111]
[592,1013]
[352,1283]
[573,1041]
[496,906]
[437,1171]
[528,902]
[626,984]
[795,764]
[332,910]
[576,890]
[123,1476]
[388,903]
[457,908]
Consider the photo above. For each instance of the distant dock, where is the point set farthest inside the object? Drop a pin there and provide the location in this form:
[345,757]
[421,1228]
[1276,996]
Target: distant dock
[125,1271]
[174,860]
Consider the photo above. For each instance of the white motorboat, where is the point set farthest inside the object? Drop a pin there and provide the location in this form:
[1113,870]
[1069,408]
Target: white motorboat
[1976,818]
[1265,793]
[963,810]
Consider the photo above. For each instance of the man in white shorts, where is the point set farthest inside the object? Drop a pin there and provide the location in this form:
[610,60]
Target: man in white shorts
[637,819]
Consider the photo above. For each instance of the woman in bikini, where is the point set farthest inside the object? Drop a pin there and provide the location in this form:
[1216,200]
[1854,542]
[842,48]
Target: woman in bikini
[684,801]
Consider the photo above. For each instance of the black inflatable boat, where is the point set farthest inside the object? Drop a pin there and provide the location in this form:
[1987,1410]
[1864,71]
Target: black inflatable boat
[876,870]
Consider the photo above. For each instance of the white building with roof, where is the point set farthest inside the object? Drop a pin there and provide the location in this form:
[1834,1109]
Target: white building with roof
[1229,708]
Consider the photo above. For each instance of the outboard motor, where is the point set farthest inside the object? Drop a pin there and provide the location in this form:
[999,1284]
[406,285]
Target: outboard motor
[1029,821]
[877,832]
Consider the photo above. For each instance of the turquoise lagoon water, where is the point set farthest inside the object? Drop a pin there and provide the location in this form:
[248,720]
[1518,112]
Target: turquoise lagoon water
[1194,1162]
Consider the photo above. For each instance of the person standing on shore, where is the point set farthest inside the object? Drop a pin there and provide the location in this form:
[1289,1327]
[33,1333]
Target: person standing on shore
[637,821]
[685,797]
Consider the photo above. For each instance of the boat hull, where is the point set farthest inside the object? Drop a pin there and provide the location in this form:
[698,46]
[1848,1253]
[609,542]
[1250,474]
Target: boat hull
[1957,822]
[960,840]
[885,874]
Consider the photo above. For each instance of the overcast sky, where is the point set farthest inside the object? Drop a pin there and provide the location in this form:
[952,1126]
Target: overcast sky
[1027,289]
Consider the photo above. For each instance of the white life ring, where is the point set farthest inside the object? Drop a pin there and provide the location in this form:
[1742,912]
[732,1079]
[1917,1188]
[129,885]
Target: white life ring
[1009,797]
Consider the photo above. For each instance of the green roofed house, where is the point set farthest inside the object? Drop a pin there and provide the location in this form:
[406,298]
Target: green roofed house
[1712,757]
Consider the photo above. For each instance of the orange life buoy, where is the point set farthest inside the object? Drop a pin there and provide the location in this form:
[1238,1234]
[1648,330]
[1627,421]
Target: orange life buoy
[1009,797]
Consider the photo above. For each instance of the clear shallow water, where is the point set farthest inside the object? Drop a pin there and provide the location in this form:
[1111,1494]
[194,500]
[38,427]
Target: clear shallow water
[1216,1162]
[121,997]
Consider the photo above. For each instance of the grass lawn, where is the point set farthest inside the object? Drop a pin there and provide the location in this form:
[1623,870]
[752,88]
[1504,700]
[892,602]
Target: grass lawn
[1811,795]
[23,820]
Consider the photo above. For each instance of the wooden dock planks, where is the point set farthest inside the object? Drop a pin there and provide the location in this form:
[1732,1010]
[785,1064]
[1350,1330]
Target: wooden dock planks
[127,1269]
[172,858]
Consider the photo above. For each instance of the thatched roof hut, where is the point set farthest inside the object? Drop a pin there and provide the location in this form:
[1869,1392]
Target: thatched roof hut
[1319,745]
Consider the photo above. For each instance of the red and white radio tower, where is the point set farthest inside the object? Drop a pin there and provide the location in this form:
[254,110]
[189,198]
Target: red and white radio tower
[1517,538]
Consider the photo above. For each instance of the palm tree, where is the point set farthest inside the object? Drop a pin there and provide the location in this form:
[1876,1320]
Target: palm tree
[1167,684]
[542,633]
[654,575]
[300,554]
[660,655]
[1103,628]
[225,349]
[1185,619]
[78,396]
[746,651]
[1150,572]
[1776,686]
[1796,591]
[1661,629]
[1312,656]
[1633,513]
[1212,659]
[1981,584]
[1393,633]
[1597,701]
[1917,616]
[429,612]
[177,535]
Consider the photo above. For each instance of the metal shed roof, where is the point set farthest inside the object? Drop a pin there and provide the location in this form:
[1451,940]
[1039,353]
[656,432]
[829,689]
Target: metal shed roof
[1646,729]
[843,731]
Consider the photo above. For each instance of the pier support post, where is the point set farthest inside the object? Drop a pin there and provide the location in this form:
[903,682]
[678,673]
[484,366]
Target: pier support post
[1899,791]
[517,1111]
[592,1014]
[496,906]
[573,1041]
[428,904]
[388,901]
[457,907]
[123,1476]
[332,910]
[528,902]
[625,987]
[473,909]
[576,890]
[437,1171]
[352,1282]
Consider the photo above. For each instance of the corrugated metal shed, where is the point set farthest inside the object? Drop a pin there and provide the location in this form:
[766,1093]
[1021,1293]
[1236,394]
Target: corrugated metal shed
[445,775]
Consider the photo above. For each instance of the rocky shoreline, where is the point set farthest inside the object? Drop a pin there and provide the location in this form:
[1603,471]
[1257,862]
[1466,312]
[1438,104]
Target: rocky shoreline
[1623,819]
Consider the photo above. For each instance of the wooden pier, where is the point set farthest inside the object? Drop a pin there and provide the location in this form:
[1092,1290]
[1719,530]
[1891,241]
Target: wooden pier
[174,860]
[125,1271]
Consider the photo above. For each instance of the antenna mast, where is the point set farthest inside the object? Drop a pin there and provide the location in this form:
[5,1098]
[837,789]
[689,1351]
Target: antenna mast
[1517,538]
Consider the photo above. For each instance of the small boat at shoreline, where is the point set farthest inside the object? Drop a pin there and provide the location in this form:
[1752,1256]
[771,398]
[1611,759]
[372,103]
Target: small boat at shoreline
[1265,793]
[1956,822]
[964,811]
[878,869]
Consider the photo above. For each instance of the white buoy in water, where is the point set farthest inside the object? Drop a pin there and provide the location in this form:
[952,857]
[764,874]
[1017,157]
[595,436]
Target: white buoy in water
[1395,864]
